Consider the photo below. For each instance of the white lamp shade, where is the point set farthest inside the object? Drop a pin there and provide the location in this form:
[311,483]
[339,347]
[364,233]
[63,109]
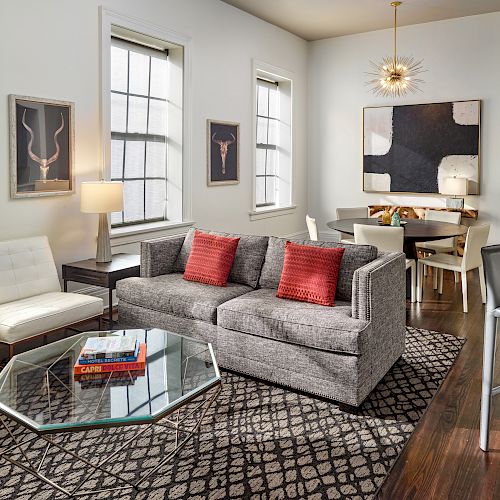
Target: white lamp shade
[101,197]
[456,186]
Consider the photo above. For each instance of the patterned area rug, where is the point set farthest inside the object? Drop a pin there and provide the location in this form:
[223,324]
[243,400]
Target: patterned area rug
[265,442]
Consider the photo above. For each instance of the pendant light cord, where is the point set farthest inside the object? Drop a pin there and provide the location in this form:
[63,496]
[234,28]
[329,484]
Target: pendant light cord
[395,24]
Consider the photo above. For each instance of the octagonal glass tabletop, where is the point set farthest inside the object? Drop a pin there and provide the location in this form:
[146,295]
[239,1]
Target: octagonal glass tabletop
[39,389]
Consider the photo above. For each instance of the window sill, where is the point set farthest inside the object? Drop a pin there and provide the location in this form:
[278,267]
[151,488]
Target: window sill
[266,212]
[133,234]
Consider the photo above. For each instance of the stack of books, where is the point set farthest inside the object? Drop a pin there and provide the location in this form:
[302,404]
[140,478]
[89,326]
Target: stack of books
[114,354]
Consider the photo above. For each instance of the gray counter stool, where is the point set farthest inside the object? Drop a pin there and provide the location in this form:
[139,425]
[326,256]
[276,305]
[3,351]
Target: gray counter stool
[491,264]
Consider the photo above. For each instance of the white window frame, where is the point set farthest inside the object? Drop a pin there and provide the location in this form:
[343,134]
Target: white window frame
[180,200]
[284,78]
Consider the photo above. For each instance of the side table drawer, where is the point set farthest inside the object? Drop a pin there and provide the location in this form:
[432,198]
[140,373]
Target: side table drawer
[97,279]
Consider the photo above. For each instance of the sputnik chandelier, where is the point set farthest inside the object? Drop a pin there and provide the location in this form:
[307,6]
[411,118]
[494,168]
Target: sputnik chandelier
[395,76]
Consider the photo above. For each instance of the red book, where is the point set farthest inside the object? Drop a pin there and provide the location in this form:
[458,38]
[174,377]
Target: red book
[140,364]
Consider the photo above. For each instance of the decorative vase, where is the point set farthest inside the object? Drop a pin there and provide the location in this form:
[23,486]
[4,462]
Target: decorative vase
[396,220]
[386,217]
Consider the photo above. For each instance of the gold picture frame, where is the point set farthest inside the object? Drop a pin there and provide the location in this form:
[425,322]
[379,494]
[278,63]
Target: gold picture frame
[474,184]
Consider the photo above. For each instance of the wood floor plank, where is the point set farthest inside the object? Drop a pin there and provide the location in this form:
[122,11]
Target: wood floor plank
[442,460]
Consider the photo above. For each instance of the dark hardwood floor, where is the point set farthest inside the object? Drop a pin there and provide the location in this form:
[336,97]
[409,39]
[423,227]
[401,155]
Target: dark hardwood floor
[442,459]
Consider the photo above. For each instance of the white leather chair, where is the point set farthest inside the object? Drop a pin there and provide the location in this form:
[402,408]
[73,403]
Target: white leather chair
[312,228]
[386,239]
[31,301]
[351,213]
[477,237]
[448,245]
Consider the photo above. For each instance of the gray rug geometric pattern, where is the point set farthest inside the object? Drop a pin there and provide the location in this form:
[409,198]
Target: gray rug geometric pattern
[260,441]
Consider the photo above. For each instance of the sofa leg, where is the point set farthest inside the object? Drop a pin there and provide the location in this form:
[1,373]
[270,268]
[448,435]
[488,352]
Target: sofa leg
[11,350]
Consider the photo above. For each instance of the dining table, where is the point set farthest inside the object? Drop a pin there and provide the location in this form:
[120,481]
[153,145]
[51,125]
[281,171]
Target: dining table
[415,230]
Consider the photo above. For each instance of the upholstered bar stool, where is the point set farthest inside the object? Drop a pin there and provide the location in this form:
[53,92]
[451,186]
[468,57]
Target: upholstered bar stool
[491,264]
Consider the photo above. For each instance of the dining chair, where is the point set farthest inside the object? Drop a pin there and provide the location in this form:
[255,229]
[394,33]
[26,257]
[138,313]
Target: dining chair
[386,239]
[312,228]
[477,237]
[491,265]
[448,245]
[351,213]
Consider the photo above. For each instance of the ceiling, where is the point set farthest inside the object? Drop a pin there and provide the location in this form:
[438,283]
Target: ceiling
[317,19]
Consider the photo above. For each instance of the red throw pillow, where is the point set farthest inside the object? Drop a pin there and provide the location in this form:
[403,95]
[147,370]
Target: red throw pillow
[310,274]
[211,259]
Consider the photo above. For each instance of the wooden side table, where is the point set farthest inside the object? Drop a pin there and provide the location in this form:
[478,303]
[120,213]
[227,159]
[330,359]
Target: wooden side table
[104,274]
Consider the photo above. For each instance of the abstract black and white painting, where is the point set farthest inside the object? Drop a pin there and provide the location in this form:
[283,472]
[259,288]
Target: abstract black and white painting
[413,148]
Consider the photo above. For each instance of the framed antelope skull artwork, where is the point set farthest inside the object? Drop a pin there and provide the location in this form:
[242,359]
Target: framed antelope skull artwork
[41,147]
[223,150]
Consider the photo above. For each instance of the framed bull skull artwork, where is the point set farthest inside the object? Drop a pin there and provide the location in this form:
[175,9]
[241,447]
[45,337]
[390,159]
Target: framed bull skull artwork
[223,150]
[41,147]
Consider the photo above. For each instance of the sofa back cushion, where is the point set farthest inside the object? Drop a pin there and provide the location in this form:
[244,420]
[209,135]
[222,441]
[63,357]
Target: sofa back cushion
[355,256]
[26,269]
[248,260]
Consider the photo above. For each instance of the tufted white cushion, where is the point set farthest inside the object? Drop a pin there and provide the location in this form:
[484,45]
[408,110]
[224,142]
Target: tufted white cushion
[33,315]
[27,268]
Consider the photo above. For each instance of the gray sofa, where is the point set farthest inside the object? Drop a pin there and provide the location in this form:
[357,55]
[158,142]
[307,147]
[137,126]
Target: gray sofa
[338,352]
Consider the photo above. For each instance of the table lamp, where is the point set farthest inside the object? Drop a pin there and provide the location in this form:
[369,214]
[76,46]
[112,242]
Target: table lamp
[102,197]
[454,186]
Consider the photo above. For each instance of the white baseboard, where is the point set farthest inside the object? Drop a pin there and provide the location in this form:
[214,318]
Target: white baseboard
[300,235]
[329,236]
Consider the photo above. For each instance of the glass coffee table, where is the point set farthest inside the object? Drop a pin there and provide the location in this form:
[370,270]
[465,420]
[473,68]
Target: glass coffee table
[39,391]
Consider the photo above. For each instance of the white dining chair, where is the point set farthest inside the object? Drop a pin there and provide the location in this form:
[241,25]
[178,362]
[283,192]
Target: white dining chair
[312,228]
[386,239]
[477,237]
[351,213]
[448,245]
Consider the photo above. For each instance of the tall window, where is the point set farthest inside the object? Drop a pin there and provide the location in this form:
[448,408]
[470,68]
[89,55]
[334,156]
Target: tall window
[273,153]
[267,143]
[139,130]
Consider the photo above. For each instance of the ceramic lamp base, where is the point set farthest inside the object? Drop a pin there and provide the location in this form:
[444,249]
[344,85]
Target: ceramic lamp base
[454,203]
[103,244]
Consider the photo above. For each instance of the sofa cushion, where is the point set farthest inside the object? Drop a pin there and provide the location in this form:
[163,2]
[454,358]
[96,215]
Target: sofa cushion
[310,274]
[48,311]
[263,314]
[211,259]
[247,261]
[171,294]
[355,256]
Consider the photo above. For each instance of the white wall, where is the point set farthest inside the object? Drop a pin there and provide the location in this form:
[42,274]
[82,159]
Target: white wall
[462,61]
[51,49]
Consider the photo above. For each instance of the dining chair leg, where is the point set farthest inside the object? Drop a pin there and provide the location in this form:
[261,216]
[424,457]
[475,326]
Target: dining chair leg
[426,271]
[456,273]
[420,279]
[441,278]
[490,326]
[435,278]
[464,291]
[482,284]
[413,269]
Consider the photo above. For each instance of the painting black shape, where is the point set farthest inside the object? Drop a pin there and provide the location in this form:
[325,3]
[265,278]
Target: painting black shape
[412,148]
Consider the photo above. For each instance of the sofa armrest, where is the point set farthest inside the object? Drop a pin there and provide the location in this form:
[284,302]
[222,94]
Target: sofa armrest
[159,255]
[379,289]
